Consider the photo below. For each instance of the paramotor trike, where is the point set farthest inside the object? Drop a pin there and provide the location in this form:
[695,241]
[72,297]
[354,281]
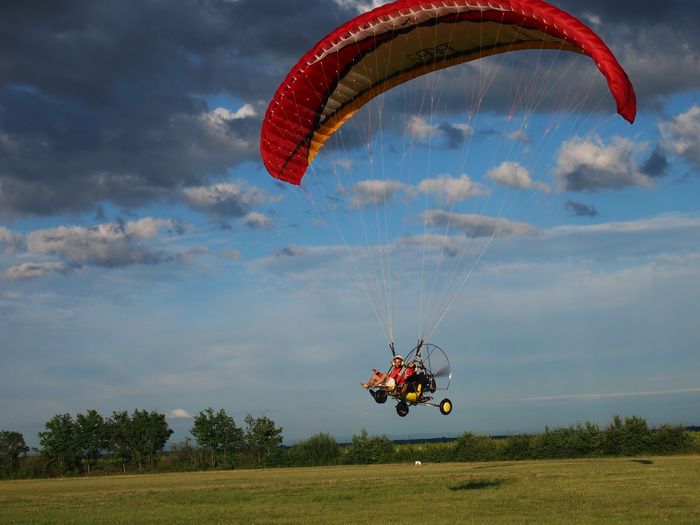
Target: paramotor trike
[432,373]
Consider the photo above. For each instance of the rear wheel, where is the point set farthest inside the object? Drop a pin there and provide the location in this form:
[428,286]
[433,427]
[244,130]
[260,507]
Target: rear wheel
[380,396]
[445,406]
[402,409]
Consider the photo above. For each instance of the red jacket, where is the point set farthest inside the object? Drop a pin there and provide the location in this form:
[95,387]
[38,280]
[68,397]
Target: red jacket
[400,375]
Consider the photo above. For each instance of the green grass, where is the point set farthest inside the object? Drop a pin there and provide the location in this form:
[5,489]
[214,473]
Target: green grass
[632,490]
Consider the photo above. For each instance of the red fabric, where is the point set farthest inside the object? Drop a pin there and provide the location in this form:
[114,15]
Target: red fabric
[292,115]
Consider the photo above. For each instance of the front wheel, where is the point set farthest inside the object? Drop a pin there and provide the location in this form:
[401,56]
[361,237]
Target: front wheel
[402,409]
[445,406]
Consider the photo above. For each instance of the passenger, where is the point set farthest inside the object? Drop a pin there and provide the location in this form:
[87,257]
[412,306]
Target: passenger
[387,381]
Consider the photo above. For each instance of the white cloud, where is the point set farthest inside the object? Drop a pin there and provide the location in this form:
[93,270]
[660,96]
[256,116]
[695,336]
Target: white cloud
[476,225]
[681,135]
[191,254]
[520,136]
[452,135]
[178,413]
[591,165]
[107,245]
[660,223]
[609,395]
[233,255]
[28,271]
[313,264]
[447,243]
[515,175]
[146,228]
[451,189]
[220,117]
[421,129]
[226,200]
[257,221]
[343,164]
[9,241]
[375,192]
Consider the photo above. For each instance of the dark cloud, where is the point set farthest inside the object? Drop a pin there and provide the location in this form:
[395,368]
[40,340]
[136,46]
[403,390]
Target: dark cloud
[657,44]
[454,136]
[225,201]
[107,100]
[629,11]
[579,209]
[288,251]
[474,226]
[110,101]
[656,165]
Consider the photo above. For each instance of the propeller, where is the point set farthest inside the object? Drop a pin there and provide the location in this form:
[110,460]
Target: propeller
[442,372]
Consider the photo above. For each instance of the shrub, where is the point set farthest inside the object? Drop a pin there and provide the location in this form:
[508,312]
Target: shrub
[365,449]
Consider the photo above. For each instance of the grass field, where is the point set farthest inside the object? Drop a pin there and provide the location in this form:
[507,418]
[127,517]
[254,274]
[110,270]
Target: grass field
[635,490]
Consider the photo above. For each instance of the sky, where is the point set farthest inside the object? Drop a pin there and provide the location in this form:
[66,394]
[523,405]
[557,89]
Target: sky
[148,260]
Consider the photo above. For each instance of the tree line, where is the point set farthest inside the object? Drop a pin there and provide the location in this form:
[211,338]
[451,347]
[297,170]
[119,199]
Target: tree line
[136,442]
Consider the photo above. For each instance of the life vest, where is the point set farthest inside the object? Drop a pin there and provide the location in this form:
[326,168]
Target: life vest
[413,396]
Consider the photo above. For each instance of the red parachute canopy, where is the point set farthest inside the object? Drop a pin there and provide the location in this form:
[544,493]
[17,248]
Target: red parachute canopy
[402,40]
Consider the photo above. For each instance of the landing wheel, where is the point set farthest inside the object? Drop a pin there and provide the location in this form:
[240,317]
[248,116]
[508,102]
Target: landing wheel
[445,407]
[380,396]
[402,409]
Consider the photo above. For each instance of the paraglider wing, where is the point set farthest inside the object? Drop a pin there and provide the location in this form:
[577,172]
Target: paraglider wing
[399,41]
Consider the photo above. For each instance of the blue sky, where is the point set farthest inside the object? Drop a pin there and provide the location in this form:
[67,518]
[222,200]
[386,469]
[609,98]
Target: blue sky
[147,259]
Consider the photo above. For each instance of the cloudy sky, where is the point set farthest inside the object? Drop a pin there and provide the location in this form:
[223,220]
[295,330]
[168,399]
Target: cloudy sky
[499,208]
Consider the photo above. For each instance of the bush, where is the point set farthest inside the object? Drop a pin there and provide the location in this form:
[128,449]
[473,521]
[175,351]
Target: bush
[321,449]
[630,437]
[570,442]
[470,447]
[365,449]
[518,447]
[672,439]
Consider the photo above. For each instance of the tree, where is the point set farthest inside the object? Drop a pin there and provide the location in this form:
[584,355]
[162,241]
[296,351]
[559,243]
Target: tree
[629,437]
[320,449]
[366,449]
[138,437]
[150,432]
[12,446]
[120,441]
[217,433]
[262,437]
[472,447]
[184,455]
[59,443]
[91,437]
